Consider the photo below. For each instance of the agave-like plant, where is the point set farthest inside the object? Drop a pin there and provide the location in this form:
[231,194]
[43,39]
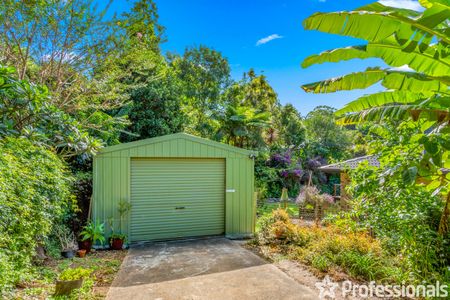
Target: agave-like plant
[419,40]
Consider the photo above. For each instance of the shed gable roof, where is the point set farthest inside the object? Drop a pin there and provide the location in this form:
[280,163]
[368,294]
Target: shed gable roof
[175,136]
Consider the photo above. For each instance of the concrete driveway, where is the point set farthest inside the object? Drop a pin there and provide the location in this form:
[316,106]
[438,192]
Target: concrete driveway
[202,269]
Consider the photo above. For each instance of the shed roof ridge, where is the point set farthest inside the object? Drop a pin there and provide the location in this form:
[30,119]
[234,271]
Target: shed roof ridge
[186,136]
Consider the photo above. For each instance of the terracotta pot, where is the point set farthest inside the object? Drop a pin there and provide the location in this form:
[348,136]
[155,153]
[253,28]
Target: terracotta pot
[85,245]
[65,287]
[116,244]
[81,253]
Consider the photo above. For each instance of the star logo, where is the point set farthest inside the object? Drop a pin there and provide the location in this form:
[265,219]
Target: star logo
[326,288]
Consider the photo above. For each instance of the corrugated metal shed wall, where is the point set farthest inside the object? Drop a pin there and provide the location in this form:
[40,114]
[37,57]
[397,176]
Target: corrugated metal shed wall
[112,177]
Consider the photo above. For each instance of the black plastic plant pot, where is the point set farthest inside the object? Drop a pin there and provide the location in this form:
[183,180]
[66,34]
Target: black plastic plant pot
[68,254]
[65,287]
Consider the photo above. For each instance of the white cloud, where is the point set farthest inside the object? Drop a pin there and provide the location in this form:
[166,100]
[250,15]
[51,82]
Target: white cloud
[404,68]
[408,4]
[268,39]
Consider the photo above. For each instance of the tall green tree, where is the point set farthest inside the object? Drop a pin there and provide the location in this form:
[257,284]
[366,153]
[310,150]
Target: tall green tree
[136,68]
[400,37]
[155,109]
[204,74]
[141,26]
[324,137]
[258,92]
[254,91]
[59,44]
[291,129]
[55,43]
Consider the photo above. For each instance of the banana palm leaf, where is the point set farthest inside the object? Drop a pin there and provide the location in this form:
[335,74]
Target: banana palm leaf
[435,109]
[357,80]
[431,61]
[377,22]
[390,79]
[415,82]
[336,55]
[383,99]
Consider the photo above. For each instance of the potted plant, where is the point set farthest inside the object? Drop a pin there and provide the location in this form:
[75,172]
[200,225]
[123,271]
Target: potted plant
[70,279]
[81,253]
[92,233]
[67,241]
[117,240]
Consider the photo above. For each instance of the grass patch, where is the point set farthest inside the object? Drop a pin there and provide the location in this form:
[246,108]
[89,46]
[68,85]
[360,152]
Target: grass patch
[266,209]
[41,285]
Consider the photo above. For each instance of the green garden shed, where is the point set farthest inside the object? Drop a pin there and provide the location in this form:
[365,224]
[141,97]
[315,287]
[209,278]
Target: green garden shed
[178,186]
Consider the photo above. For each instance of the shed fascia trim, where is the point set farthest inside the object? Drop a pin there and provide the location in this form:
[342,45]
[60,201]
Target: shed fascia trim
[185,136]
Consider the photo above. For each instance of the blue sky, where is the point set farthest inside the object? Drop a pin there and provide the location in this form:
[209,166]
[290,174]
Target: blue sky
[234,28]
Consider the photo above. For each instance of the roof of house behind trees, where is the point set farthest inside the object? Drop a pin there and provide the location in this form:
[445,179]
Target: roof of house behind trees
[350,164]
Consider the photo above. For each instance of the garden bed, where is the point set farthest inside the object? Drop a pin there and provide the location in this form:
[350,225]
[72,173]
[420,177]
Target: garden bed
[104,264]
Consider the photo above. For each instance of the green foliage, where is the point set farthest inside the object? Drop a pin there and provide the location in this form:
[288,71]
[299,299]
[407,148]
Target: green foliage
[324,137]
[35,193]
[292,132]
[420,93]
[402,199]
[155,109]
[141,27]
[275,227]
[242,126]
[26,112]
[327,248]
[74,274]
[405,215]
[204,75]
[265,209]
[118,236]
[94,232]
[277,170]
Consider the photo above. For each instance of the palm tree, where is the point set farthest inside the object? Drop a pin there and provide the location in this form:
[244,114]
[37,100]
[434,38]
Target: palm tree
[242,125]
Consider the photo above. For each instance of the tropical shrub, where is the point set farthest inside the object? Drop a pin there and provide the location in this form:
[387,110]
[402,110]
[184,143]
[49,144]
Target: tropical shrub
[407,201]
[35,192]
[277,170]
[328,248]
[275,228]
[94,232]
[26,111]
[403,214]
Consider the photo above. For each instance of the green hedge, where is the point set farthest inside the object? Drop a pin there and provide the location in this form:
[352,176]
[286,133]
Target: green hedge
[34,193]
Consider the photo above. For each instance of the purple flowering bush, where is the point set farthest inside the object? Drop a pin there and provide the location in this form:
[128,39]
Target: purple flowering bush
[289,168]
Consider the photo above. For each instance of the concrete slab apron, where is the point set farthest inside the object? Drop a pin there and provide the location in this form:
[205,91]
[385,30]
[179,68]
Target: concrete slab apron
[202,269]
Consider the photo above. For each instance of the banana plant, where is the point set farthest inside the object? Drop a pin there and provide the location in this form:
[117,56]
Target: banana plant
[416,46]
